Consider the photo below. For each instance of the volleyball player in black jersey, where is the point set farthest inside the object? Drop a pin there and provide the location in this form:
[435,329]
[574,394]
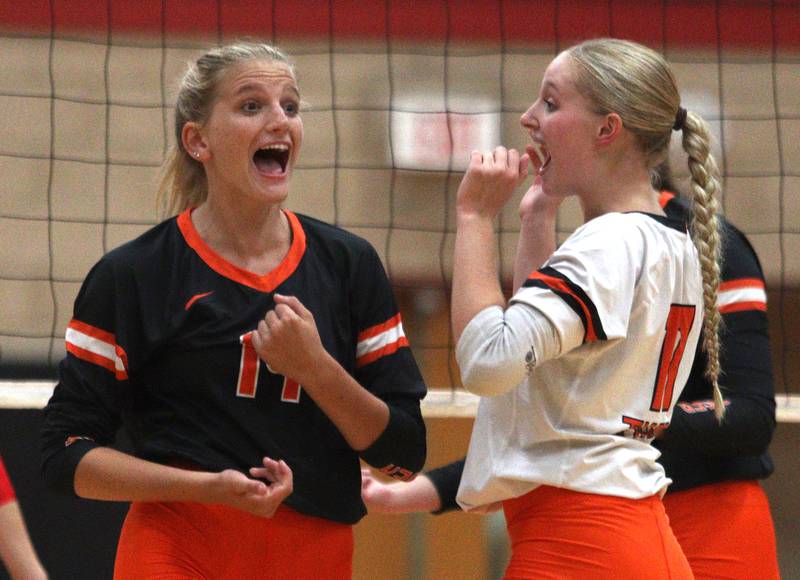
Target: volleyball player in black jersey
[253,355]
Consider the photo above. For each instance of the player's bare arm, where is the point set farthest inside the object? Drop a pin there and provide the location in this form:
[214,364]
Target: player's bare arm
[537,232]
[107,474]
[488,184]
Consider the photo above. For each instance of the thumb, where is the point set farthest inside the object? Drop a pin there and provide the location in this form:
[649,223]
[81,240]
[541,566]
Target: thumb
[523,166]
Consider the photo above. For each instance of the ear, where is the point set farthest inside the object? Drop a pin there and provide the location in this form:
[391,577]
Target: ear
[610,129]
[194,141]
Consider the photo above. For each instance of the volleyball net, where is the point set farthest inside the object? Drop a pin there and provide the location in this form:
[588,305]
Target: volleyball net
[396,95]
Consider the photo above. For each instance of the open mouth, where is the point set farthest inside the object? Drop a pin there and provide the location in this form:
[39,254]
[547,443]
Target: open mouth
[272,159]
[541,153]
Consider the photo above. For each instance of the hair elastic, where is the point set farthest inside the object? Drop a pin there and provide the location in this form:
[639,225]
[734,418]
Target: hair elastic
[680,119]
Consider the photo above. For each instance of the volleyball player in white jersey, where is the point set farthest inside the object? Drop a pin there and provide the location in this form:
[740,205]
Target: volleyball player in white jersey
[581,369]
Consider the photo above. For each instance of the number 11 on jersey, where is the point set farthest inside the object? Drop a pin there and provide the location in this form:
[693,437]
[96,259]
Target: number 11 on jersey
[679,324]
[249,366]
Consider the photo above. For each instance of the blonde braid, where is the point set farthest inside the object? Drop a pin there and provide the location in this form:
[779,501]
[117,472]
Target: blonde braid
[705,233]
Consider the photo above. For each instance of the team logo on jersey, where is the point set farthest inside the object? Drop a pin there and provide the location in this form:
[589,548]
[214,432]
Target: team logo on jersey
[195,298]
[699,406]
[639,429]
[73,438]
[397,472]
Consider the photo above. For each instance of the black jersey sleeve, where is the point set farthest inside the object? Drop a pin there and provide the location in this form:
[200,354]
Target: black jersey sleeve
[446,480]
[86,406]
[746,382]
[386,367]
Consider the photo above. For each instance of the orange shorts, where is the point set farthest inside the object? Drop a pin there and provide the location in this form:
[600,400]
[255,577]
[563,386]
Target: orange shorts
[190,540]
[725,530]
[559,533]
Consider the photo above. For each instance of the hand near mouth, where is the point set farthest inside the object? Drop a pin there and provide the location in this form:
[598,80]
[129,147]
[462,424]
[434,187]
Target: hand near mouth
[537,203]
[490,181]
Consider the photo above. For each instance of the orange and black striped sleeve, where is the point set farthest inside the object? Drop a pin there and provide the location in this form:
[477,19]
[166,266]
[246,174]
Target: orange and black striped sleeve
[574,296]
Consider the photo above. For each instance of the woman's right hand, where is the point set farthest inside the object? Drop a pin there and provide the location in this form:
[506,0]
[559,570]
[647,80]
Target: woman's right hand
[260,498]
[490,180]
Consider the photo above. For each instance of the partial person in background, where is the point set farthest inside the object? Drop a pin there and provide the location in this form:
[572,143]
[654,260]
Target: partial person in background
[716,507]
[254,355]
[16,550]
[582,368]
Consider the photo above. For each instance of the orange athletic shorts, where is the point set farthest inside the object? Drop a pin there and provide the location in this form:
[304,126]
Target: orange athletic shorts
[725,530]
[190,540]
[559,533]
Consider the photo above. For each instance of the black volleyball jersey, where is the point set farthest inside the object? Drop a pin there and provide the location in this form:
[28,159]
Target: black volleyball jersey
[160,342]
[696,449]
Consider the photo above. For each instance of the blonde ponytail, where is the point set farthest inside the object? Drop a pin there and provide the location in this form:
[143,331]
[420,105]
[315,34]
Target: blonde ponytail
[705,233]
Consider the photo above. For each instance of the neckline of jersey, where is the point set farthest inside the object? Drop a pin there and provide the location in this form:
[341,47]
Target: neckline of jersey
[266,283]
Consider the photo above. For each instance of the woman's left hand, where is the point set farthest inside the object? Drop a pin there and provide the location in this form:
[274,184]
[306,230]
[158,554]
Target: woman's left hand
[288,341]
[490,181]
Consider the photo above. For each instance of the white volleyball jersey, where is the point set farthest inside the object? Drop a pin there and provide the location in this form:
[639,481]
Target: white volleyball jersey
[624,295]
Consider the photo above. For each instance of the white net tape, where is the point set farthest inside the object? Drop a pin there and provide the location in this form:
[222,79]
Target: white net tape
[438,404]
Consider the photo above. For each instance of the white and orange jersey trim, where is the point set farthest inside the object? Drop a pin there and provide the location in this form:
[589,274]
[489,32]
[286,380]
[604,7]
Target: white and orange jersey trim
[742,294]
[380,340]
[96,346]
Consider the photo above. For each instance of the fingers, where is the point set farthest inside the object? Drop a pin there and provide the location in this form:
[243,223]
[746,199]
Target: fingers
[283,312]
[502,160]
[276,472]
[499,157]
[367,480]
[259,336]
[239,484]
[475,159]
[523,165]
[293,303]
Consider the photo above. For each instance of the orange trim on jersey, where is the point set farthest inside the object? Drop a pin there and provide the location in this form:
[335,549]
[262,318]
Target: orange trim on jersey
[97,359]
[665,198]
[741,295]
[378,328]
[562,286]
[384,351]
[742,283]
[741,306]
[94,332]
[84,351]
[266,283]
